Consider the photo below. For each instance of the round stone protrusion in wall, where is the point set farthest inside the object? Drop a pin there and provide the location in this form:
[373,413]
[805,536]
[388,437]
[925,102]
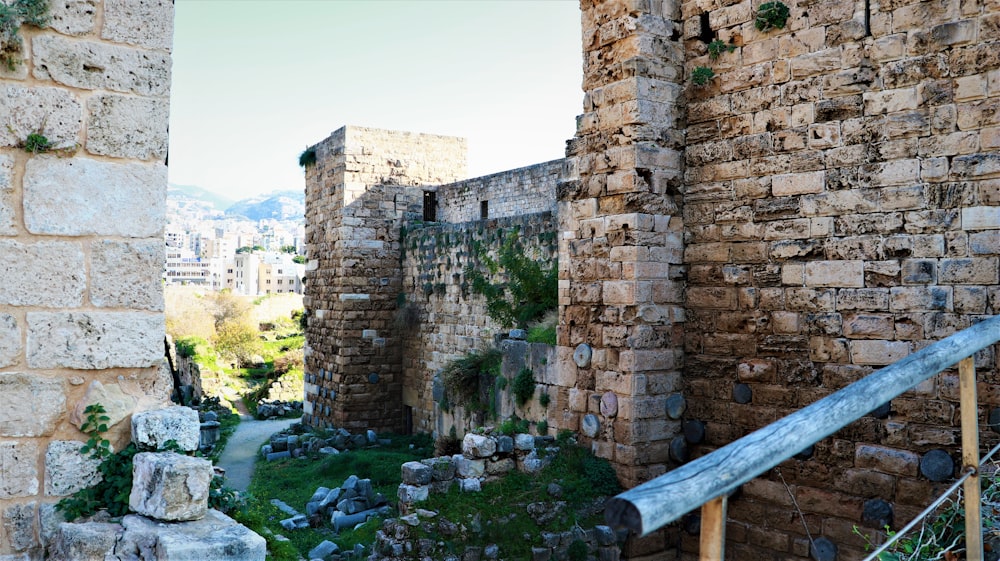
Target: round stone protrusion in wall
[609,404]
[806,452]
[676,405]
[877,513]
[679,450]
[995,419]
[694,431]
[882,411]
[373,378]
[582,355]
[822,549]
[937,465]
[742,393]
[590,425]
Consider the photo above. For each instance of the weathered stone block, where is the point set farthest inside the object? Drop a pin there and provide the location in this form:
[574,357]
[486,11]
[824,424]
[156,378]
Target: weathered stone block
[969,271]
[146,23]
[152,429]
[920,298]
[10,340]
[94,340]
[54,112]
[67,470]
[73,17]
[887,460]
[465,467]
[798,183]
[412,493]
[18,469]
[86,541]
[125,274]
[33,404]
[8,227]
[478,446]
[117,404]
[19,526]
[127,127]
[835,273]
[416,473]
[878,352]
[42,274]
[216,537]
[76,197]
[169,486]
[93,66]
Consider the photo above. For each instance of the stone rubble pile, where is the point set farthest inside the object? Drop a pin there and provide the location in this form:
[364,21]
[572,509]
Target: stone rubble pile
[277,409]
[483,458]
[290,443]
[170,498]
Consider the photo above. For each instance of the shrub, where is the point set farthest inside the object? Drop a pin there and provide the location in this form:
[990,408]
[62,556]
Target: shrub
[716,47]
[308,157]
[702,75]
[468,380]
[542,427]
[513,426]
[523,386]
[544,399]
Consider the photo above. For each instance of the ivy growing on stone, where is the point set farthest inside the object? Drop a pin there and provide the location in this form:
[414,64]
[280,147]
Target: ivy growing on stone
[771,15]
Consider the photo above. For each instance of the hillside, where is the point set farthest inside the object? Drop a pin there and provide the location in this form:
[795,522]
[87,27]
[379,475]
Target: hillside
[193,193]
[280,205]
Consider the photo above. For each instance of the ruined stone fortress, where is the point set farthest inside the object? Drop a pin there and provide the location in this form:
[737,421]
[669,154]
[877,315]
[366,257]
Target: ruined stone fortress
[827,203]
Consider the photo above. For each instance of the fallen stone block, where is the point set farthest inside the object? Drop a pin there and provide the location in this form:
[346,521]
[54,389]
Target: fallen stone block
[296,522]
[85,541]
[152,429]
[416,473]
[324,549]
[470,485]
[169,486]
[412,493]
[279,456]
[478,446]
[215,537]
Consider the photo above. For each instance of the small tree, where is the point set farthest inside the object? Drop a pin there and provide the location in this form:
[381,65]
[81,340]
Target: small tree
[529,291]
[237,340]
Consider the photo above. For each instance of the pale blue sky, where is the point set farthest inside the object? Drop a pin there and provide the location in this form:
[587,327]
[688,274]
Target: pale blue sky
[256,81]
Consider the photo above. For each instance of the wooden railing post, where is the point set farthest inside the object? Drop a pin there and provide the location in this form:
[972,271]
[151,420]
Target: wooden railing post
[712,544]
[970,458]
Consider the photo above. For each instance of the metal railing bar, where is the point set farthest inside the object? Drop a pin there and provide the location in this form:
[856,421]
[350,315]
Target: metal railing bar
[969,472]
[989,455]
[656,503]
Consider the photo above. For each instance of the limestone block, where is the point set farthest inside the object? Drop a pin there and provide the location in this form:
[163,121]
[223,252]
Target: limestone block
[72,17]
[86,541]
[878,352]
[19,526]
[67,470]
[146,23]
[798,183]
[8,226]
[94,340]
[79,197]
[216,537]
[478,446]
[835,273]
[470,485]
[412,493]
[10,340]
[91,66]
[32,404]
[152,429]
[127,127]
[416,473]
[18,469]
[169,486]
[465,467]
[42,274]
[117,404]
[524,442]
[126,274]
[49,519]
[54,112]
[981,218]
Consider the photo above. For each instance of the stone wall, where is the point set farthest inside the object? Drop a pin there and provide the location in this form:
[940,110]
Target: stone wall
[440,317]
[517,192]
[363,184]
[82,305]
[841,192]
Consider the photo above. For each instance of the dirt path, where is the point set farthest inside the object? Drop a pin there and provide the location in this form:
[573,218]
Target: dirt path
[241,450]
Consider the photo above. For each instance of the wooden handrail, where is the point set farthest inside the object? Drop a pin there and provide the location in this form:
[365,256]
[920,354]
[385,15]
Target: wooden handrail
[653,504]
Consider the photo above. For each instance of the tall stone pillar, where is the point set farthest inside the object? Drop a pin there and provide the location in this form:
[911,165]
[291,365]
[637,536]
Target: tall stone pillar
[362,185]
[621,278]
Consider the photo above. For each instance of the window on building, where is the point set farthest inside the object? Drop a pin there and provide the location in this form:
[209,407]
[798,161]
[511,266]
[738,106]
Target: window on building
[430,206]
[484,210]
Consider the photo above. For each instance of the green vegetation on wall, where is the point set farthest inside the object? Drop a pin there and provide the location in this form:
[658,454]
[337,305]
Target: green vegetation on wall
[12,17]
[528,291]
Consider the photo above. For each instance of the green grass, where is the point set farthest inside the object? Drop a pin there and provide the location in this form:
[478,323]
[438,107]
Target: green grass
[294,481]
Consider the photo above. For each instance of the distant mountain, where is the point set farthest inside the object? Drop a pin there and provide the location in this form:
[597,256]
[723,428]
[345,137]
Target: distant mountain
[190,192]
[280,205]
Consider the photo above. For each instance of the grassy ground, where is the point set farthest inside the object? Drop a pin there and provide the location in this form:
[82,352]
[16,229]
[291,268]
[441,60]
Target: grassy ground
[496,515]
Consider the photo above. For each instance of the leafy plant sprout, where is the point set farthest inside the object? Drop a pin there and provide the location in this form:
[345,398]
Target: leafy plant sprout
[771,15]
[702,75]
[716,47]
